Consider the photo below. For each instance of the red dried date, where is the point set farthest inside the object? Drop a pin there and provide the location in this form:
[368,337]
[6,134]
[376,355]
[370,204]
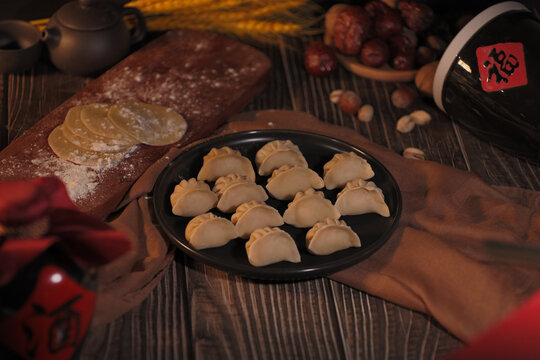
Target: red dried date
[402,51]
[417,16]
[350,30]
[375,53]
[403,61]
[320,59]
[375,8]
[388,24]
[425,55]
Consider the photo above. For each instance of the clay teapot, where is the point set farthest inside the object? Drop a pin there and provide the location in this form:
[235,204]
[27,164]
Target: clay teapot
[85,37]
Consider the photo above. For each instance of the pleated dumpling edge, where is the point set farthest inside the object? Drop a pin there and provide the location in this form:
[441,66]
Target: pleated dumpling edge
[345,167]
[223,161]
[329,236]
[271,245]
[277,153]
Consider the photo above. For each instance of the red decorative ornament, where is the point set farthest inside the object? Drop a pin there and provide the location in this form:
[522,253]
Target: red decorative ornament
[48,248]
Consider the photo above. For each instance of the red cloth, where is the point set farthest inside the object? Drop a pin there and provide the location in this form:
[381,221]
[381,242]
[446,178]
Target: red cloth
[87,241]
[515,337]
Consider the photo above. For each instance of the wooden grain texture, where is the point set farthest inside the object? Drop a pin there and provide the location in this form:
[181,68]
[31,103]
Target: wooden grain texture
[198,312]
[203,76]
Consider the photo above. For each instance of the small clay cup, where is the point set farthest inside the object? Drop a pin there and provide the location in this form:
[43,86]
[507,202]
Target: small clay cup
[20,45]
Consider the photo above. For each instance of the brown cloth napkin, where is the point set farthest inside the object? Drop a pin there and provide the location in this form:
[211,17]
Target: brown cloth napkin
[433,263]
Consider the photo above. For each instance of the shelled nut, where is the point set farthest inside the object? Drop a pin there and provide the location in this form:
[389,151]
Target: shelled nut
[405,124]
[424,78]
[420,117]
[414,153]
[335,95]
[365,114]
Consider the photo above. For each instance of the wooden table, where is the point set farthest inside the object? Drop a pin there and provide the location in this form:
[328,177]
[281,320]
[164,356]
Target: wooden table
[197,311]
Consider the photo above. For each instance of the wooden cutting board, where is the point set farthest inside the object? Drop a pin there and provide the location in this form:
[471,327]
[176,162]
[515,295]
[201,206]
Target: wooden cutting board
[204,76]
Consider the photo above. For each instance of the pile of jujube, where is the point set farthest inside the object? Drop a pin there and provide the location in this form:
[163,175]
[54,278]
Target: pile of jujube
[378,34]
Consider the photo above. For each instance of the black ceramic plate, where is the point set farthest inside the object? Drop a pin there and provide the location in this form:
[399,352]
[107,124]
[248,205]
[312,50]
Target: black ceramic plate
[372,229]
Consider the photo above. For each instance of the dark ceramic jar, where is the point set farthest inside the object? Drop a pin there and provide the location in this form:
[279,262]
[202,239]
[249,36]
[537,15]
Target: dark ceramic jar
[488,79]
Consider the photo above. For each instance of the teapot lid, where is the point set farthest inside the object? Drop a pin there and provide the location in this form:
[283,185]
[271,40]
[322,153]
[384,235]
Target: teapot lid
[87,15]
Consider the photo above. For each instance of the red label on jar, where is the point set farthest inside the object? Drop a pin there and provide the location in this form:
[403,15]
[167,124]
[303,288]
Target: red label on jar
[53,321]
[501,66]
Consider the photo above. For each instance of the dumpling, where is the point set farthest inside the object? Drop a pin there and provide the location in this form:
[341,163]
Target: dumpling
[254,215]
[208,231]
[233,190]
[328,236]
[224,161]
[192,197]
[361,197]
[286,181]
[309,207]
[277,153]
[271,245]
[345,167]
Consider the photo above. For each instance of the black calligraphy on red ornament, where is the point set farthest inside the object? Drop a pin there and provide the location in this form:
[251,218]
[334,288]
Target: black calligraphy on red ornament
[501,66]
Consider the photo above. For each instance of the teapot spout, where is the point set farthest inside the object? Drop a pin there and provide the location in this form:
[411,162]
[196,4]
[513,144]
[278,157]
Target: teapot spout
[50,35]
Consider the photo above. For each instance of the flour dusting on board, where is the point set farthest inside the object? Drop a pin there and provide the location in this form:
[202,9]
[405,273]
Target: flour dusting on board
[80,180]
[185,91]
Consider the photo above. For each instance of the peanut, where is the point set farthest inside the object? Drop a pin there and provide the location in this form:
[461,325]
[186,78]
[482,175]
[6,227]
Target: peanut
[405,124]
[365,114]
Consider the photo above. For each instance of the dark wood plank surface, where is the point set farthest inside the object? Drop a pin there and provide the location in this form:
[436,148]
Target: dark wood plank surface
[199,312]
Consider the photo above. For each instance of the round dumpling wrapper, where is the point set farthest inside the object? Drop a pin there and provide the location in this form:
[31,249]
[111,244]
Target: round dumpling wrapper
[75,125]
[95,117]
[66,150]
[150,124]
[104,144]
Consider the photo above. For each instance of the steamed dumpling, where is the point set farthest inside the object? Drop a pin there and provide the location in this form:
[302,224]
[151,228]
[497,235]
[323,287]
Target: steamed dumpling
[361,197]
[271,245]
[224,161]
[192,197]
[254,215]
[208,231]
[345,167]
[308,208]
[233,190]
[328,236]
[286,181]
[276,153]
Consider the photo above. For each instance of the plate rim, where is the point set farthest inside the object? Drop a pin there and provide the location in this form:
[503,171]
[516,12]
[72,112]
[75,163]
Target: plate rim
[270,273]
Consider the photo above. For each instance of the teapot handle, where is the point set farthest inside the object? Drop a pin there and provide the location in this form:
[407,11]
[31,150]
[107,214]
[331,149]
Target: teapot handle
[140,27]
